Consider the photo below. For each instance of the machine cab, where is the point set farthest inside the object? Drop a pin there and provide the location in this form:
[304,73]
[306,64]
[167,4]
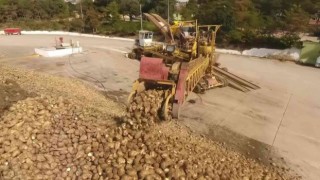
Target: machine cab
[145,38]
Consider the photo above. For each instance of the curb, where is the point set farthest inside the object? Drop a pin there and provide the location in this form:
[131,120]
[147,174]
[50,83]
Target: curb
[70,34]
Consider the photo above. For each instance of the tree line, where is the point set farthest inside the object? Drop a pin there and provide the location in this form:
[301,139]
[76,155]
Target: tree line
[255,22]
[245,22]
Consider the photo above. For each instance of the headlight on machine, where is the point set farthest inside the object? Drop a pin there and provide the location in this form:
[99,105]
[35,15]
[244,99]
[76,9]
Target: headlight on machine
[170,48]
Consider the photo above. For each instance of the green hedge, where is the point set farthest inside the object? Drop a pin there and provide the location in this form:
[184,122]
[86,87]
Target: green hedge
[125,28]
[249,39]
[120,28]
[38,25]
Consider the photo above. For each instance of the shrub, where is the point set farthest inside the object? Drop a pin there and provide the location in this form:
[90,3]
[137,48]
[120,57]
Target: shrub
[316,31]
[76,25]
[291,40]
[250,39]
[235,36]
[125,28]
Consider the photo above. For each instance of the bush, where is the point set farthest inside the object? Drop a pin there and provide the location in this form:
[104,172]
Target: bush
[125,28]
[76,25]
[38,25]
[235,37]
[291,40]
[316,31]
[249,39]
[270,41]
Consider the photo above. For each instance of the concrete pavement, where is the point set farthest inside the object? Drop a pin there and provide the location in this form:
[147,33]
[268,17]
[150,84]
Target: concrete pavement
[284,113]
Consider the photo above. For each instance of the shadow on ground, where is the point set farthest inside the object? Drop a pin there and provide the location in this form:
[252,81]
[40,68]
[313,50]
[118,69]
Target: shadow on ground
[249,147]
[10,93]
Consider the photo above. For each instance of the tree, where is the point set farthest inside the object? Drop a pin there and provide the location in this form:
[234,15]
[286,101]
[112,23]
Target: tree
[217,12]
[310,6]
[39,13]
[112,12]
[76,25]
[247,17]
[130,7]
[296,19]
[92,19]
[160,7]
[103,3]
[85,6]
[190,10]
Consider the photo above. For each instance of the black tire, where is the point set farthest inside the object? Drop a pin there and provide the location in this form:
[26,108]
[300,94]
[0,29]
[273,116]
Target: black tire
[197,89]
[132,55]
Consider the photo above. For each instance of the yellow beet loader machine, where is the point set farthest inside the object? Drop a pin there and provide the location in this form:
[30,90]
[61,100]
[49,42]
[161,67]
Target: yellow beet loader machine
[184,63]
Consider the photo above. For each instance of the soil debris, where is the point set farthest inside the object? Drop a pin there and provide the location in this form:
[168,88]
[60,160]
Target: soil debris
[10,93]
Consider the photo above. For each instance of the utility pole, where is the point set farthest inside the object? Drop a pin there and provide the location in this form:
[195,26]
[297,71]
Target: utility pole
[168,11]
[141,17]
[81,9]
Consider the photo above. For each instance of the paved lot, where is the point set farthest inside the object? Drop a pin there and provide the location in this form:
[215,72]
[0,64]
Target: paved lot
[284,113]
[102,61]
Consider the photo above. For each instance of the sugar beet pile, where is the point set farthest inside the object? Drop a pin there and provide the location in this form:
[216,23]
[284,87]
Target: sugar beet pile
[56,128]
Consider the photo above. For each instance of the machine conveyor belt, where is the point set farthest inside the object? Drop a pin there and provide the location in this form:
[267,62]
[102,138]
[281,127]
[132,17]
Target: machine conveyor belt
[235,81]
